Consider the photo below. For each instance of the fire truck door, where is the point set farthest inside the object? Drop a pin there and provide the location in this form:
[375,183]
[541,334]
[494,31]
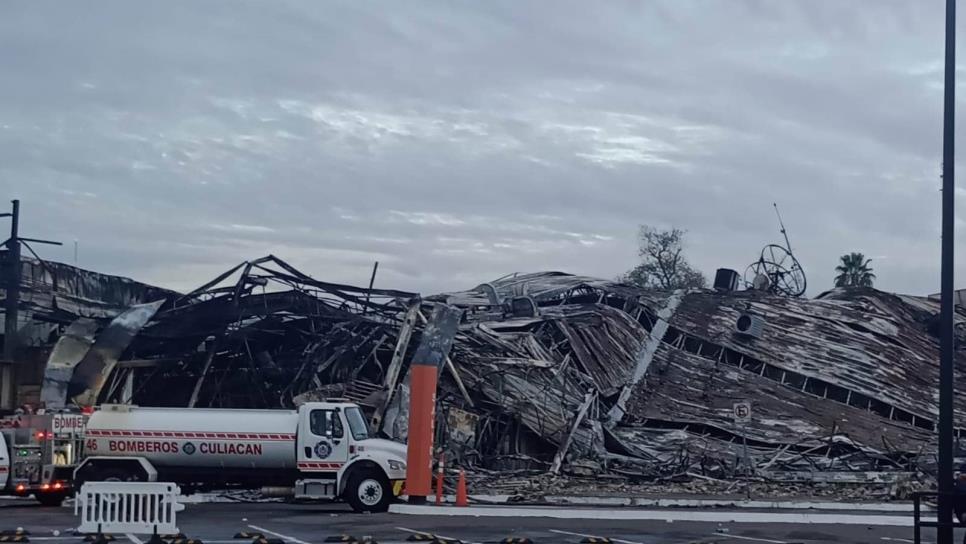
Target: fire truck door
[323,441]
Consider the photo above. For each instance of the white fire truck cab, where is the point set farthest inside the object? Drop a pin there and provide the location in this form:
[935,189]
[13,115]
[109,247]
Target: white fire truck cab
[323,450]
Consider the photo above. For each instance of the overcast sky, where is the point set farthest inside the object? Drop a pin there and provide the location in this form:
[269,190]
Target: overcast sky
[456,142]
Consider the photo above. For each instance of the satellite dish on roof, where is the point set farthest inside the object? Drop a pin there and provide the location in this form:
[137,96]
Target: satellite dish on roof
[760,283]
[777,270]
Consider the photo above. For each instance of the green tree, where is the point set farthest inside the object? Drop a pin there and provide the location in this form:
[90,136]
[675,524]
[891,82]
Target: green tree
[663,265]
[854,271]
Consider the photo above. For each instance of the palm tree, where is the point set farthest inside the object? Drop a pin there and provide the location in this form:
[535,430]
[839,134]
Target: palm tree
[854,271]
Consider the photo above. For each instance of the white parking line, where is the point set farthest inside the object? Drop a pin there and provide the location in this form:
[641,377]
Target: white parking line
[136,540]
[796,518]
[890,539]
[273,533]
[739,537]
[593,536]
[436,534]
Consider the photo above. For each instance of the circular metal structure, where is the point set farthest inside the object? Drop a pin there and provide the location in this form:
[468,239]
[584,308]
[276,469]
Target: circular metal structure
[776,271]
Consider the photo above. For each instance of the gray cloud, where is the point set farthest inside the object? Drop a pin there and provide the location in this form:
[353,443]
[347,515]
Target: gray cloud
[456,142]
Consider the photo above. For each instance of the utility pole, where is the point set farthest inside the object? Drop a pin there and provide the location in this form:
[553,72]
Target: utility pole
[11,284]
[945,473]
[12,301]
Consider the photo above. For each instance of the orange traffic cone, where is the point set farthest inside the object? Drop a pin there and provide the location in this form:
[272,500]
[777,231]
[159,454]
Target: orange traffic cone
[461,490]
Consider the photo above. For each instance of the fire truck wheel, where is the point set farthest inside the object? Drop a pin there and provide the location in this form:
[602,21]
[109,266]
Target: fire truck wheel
[368,491]
[50,499]
[117,475]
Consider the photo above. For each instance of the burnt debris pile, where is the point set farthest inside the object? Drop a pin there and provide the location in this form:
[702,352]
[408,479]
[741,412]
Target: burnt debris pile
[550,373]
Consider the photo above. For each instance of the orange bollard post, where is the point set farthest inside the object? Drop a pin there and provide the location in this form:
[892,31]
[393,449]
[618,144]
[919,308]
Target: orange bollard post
[437,339]
[422,402]
[439,478]
[461,499]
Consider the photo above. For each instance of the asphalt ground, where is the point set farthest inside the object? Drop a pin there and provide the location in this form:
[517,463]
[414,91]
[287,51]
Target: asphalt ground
[312,523]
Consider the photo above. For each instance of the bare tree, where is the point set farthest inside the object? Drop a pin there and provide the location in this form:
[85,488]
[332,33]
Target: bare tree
[663,265]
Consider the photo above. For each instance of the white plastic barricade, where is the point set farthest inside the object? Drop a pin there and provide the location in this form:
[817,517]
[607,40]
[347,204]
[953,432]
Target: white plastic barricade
[128,507]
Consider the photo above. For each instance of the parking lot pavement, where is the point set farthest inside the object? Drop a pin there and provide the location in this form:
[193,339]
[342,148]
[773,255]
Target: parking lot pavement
[312,523]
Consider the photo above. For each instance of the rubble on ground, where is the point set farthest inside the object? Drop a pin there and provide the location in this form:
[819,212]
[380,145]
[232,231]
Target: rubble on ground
[537,486]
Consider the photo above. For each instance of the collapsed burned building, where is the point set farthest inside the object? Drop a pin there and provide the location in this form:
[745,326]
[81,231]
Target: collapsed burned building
[52,296]
[549,372]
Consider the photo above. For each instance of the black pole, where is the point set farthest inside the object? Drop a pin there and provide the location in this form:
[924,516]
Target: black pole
[945,475]
[12,286]
[372,282]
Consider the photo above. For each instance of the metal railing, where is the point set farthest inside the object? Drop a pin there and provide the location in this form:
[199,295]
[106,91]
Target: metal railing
[128,507]
[919,523]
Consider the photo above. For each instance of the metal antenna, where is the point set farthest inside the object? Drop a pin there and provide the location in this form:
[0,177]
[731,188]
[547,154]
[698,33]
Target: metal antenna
[788,244]
[777,270]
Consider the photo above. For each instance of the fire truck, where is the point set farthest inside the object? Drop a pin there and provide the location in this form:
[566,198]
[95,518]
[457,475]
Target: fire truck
[322,450]
[38,454]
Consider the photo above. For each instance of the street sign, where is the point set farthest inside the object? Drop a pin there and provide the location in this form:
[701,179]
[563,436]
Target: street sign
[742,412]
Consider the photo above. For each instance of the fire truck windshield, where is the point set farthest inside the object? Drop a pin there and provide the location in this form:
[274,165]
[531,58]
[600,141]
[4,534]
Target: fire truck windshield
[357,423]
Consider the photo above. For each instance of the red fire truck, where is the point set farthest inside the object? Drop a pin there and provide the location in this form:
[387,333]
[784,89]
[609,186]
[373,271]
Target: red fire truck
[38,454]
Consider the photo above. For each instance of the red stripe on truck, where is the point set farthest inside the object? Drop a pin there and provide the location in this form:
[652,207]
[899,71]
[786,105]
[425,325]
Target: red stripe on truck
[192,434]
[320,466]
